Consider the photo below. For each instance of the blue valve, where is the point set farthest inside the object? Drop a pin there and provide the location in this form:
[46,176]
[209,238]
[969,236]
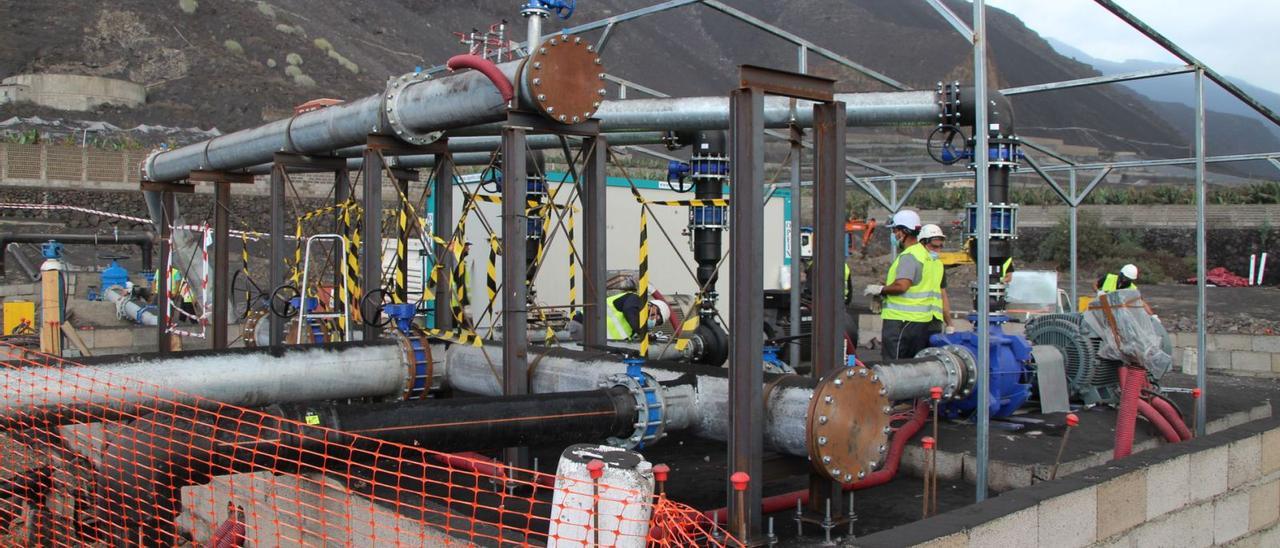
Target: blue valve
[676,171]
[401,314]
[562,8]
[51,249]
[635,369]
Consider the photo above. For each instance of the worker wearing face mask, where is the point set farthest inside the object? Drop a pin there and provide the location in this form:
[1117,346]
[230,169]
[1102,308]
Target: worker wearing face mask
[623,320]
[913,299]
[932,238]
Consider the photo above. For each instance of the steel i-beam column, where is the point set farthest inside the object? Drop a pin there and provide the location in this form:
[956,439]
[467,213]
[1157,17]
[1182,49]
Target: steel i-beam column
[983,260]
[371,253]
[443,228]
[515,319]
[593,240]
[275,267]
[828,271]
[221,278]
[1074,228]
[746,377]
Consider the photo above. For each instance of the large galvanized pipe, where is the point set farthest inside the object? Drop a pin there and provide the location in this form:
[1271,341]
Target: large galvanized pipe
[106,387]
[128,309]
[560,80]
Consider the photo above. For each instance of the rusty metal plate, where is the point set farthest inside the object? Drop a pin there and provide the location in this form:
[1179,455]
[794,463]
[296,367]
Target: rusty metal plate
[849,418]
[566,79]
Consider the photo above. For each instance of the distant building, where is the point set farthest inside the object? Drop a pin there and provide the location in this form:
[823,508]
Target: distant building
[70,91]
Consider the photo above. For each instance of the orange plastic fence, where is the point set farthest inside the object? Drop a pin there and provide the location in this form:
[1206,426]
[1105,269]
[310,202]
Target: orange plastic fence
[182,470]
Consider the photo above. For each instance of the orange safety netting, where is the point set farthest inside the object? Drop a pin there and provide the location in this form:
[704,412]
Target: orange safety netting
[81,465]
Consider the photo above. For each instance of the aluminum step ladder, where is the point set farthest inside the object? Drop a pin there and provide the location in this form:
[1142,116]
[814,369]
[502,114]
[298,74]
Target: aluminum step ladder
[345,316]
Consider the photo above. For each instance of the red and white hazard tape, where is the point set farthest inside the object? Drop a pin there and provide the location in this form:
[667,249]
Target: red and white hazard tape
[249,234]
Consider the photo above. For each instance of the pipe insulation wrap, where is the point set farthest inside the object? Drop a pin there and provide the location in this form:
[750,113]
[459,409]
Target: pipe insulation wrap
[245,377]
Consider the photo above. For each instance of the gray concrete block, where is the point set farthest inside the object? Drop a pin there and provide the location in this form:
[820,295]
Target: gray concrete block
[1217,359]
[1266,343]
[1230,517]
[112,337]
[1188,527]
[1244,460]
[1211,473]
[1255,362]
[1016,529]
[1275,363]
[1168,486]
[1270,452]
[1122,504]
[1260,412]
[1070,519]
[1264,505]
[954,540]
[1223,341]
[1004,476]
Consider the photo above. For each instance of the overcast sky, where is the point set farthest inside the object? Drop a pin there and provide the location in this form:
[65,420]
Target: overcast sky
[1238,38]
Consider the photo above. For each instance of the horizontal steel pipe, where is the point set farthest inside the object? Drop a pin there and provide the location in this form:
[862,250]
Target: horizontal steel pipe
[413,107]
[144,240]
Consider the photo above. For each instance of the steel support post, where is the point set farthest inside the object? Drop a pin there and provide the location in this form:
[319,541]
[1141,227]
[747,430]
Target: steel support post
[341,193]
[371,253]
[981,182]
[594,207]
[1074,222]
[275,267]
[169,206]
[1201,253]
[797,135]
[515,291]
[746,377]
[828,272]
[443,229]
[221,278]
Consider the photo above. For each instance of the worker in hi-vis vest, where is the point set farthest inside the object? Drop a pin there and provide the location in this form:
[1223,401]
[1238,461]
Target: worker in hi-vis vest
[1114,282]
[912,293]
[622,321]
[180,293]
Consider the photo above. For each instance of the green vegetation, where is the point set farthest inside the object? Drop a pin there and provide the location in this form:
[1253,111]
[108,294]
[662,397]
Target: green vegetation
[304,81]
[266,9]
[289,29]
[233,47]
[188,6]
[1100,248]
[101,142]
[271,63]
[1265,192]
[292,71]
[293,59]
[323,44]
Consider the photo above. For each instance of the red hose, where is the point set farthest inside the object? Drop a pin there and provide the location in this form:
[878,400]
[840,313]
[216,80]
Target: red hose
[1172,416]
[487,68]
[777,503]
[1157,420]
[1131,381]
[479,464]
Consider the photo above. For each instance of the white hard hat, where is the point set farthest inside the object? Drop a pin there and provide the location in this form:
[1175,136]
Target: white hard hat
[1129,271]
[931,231]
[664,310]
[907,219]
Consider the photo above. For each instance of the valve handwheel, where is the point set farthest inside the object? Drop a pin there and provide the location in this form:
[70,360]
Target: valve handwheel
[281,303]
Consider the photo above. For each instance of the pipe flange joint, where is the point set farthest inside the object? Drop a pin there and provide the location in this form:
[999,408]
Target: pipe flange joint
[651,409]
[421,375]
[148,164]
[960,366]
[949,104]
[393,108]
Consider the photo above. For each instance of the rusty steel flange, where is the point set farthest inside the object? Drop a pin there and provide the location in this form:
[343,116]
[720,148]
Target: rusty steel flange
[849,424]
[565,79]
[249,328]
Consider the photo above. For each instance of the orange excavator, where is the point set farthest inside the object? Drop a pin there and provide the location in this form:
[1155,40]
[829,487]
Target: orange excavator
[852,227]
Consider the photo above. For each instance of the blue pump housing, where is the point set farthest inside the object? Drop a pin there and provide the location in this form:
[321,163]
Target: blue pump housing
[1010,377]
[401,314]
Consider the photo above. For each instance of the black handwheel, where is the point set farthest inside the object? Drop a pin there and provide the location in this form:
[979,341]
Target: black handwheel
[371,308]
[281,303]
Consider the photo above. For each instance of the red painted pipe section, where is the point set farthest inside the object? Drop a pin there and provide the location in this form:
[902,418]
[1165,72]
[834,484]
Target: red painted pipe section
[1157,420]
[487,68]
[1131,381]
[777,503]
[1171,415]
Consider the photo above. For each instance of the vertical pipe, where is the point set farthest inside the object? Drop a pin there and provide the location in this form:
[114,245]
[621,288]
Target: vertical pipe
[275,267]
[1200,256]
[983,259]
[827,341]
[221,271]
[515,319]
[746,399]
[168,207]
[802,63]
[1074,230]
[593,241]
[443,229]
[147,250]
[371,254]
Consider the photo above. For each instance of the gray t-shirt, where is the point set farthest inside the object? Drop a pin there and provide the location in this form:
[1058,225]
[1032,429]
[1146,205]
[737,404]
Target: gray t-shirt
[909,267]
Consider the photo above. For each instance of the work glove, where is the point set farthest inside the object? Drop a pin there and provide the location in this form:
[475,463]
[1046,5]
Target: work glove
[949,330]
[873,290]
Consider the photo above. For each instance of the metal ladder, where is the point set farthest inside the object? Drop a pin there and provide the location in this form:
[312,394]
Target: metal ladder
[345,315]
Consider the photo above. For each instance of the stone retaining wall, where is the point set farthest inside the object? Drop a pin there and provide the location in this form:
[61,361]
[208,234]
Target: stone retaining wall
[1236,354]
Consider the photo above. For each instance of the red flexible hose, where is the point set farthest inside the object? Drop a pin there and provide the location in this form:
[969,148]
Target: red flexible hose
[1131,381]
[1173,417]
[487,68]
[777,503]
[482,465]
[1157,420]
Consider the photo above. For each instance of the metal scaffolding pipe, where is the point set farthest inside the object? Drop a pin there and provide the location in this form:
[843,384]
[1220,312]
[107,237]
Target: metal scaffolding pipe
[414,107]
[145,242]
[126,308]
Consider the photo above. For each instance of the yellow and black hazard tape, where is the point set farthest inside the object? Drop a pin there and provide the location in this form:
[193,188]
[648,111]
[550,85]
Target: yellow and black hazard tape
[460,336]
[400,282]
[491,278]
[689,325]
[643,286]
[573,277]
[719,202]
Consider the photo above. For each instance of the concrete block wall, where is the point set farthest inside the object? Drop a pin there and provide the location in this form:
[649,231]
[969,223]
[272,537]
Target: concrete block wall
[1223,488]
[1232,353]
